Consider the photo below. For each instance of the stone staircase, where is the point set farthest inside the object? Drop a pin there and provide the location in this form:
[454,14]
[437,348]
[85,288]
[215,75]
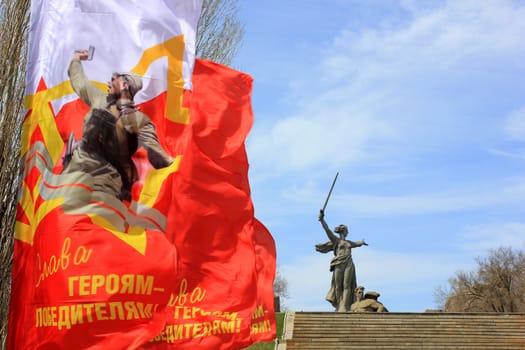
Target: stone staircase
[436,330]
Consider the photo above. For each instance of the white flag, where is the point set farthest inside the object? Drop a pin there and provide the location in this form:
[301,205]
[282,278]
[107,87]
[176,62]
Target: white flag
[119,33]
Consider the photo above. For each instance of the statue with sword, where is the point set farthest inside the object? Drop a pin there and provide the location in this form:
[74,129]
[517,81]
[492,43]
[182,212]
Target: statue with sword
[342,290]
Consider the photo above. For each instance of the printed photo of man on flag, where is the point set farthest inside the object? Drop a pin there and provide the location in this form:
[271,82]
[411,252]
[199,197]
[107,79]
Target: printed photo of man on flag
[113,129]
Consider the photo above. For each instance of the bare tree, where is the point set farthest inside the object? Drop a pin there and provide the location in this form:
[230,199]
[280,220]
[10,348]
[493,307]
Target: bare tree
[498,285]
[220,32]
[13,52]
[280,289]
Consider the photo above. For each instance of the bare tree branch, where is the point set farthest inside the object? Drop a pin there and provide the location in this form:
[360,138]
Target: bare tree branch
[220,33]
[498,285]
[13,53]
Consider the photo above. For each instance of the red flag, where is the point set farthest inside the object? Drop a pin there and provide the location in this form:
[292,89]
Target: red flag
[91,271]
[177,264]
[263,319]
[212,218]
[79,285]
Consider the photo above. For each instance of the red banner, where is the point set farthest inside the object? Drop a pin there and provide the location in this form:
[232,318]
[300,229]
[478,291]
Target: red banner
[135,226]
[214,229]
[182,264]
[263,319]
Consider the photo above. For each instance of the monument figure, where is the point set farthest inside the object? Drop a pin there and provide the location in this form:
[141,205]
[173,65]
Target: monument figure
[367,302]
[341,293]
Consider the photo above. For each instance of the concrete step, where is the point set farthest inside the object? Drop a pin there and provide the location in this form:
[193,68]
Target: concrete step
[330,330]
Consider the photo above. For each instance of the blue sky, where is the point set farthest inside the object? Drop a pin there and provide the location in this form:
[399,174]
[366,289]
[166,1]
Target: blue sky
[420,107]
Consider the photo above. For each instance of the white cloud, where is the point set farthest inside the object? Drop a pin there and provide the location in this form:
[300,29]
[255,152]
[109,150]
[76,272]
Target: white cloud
[517,154]
[459,35]
[315,138]
[469,197]
[483,237]
[385,92]
[439,202]
[308,280]
[515,125]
